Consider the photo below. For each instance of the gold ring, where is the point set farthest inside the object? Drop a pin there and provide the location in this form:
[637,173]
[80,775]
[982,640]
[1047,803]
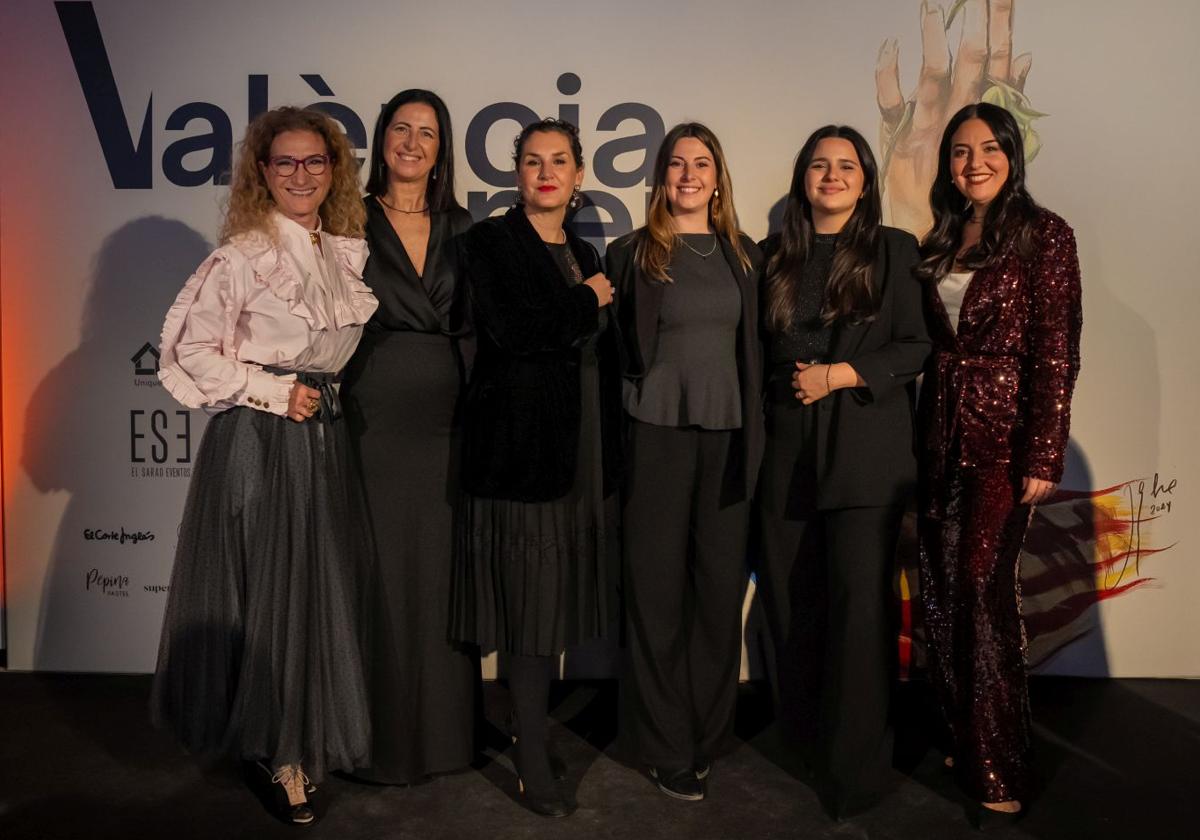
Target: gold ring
[313,404]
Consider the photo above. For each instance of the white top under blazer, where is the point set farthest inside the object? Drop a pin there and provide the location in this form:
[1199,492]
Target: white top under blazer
[953,289]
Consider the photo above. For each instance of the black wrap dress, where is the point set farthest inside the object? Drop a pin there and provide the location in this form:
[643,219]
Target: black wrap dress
[401,392]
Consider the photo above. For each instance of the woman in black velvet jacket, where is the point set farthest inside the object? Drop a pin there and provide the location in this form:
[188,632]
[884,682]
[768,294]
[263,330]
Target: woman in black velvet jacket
[539,531]
[523,404]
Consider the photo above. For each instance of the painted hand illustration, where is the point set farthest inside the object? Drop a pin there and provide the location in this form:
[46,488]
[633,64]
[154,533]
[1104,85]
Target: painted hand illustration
[982,69]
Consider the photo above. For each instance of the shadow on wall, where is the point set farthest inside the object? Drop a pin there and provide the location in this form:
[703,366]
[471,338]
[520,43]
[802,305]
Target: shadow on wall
[1059,583]
[103,430]
[1095,540]
[775,215]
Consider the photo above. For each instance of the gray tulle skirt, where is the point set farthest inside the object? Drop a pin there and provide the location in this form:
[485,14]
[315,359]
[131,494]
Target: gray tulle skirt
[261,650]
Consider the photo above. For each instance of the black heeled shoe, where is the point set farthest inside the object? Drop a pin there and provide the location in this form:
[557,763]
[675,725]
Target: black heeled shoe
[983,818]
[541,793]
[558,767]
[287,788]
[545,803]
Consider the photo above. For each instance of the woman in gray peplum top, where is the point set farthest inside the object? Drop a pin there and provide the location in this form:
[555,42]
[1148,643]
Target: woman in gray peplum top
[687,307]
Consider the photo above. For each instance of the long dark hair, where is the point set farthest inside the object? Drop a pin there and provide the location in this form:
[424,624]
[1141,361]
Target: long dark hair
[850,292]
[1011,215]
[439,191]
[657,240]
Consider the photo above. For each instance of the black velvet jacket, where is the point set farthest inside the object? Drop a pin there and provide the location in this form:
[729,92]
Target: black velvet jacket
[866,454]
[522,408]
[639,304]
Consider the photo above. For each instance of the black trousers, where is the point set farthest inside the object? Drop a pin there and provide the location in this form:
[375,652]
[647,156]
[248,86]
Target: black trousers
[825,580]
[685,578]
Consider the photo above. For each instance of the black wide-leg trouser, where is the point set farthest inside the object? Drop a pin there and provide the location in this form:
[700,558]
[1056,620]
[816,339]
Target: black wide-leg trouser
[825,580]
[684,579]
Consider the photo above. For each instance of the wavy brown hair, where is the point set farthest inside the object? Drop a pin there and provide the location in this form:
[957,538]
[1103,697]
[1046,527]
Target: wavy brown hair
[657,240]
[1010,217]
[250,204]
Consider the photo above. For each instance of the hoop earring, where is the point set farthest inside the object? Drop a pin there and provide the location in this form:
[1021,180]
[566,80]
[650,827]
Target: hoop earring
[576,200]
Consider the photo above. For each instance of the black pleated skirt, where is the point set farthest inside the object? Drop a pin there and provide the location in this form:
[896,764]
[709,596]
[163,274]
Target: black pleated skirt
[534,578]
[261,650]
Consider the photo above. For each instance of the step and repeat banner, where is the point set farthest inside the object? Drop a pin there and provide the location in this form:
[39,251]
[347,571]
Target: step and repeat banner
[119,119]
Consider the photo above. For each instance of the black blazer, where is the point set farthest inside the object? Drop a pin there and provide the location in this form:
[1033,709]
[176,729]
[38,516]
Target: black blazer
[866,454]
[522,408]
[639,305]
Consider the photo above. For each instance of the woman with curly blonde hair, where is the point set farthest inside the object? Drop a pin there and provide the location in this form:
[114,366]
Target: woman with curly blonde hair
[260,651]
[251,203]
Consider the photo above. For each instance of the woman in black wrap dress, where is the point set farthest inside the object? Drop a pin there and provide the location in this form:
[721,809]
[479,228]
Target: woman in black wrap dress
[401,394]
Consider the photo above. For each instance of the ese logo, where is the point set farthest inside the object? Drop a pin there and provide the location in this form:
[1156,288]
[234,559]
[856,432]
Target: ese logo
[159,436]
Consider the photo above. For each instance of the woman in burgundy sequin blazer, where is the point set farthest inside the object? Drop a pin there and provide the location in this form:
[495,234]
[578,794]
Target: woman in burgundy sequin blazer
[1002,300]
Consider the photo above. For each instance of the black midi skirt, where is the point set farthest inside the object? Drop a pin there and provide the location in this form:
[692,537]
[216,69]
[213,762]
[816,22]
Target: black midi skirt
[261,650]
[534,578]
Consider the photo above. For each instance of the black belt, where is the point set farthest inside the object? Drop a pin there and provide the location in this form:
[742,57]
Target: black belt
[331,404]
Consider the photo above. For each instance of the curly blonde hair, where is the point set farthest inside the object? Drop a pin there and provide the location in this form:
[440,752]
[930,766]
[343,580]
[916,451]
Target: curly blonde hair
[250,204]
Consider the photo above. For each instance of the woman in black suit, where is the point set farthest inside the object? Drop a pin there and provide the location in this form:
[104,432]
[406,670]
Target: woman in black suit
[541,435]
[845,340]
[688,308]
[401,393]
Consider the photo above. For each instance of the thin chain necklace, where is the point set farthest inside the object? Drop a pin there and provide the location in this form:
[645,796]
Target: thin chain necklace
[385,203]
[697,253]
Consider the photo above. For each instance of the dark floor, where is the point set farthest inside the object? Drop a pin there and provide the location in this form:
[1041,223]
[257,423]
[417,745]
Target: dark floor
[1118,759]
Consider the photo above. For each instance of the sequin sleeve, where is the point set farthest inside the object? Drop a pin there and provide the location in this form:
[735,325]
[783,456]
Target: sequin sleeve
[1055,324]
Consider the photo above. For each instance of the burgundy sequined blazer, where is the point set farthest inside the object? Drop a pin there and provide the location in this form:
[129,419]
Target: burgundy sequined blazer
[999,391]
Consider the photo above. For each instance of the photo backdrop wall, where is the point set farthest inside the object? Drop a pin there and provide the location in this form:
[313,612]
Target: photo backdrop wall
[119,118]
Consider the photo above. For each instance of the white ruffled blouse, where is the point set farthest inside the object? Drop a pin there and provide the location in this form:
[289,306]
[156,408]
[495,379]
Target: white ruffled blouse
[257,301]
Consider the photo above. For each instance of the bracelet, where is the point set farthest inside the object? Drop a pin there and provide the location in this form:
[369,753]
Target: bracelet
[828,388]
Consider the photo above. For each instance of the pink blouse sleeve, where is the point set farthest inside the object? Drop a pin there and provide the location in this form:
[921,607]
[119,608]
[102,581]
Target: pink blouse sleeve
[198,363]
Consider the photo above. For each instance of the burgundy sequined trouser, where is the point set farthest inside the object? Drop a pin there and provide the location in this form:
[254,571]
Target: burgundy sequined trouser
[970,589]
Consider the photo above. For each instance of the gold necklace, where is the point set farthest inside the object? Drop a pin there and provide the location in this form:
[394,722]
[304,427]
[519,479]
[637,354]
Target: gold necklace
[697,253]
[385,203]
